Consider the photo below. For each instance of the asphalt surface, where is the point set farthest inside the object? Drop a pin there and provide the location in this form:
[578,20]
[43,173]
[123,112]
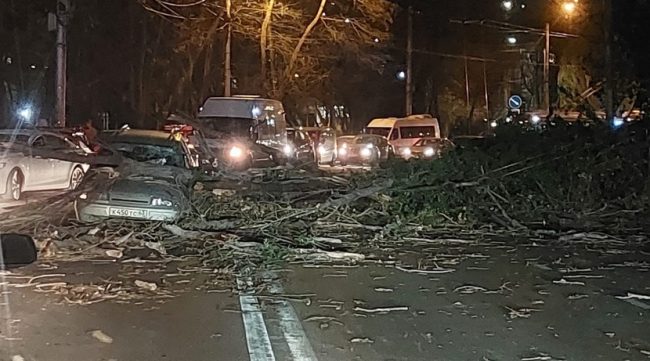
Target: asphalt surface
[529,300]
[492,301]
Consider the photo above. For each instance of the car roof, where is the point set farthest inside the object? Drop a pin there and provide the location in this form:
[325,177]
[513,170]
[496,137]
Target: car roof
[411,120]
[143,136]
[315,129]
[29,132]
[433,138]
[370,136]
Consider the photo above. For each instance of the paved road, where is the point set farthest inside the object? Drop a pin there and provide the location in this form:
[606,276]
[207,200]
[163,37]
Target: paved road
[524,302]
[30,197]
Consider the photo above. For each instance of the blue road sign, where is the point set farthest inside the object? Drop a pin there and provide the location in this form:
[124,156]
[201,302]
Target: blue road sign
[515,102]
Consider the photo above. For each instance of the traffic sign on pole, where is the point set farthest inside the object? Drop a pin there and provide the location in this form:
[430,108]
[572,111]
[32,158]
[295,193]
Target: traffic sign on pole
[515,102]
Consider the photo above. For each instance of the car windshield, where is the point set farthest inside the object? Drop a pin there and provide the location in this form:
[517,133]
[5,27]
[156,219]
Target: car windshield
[156,154]
[417,132]
[379,131]
[425,142]
[365,140]
[239,127]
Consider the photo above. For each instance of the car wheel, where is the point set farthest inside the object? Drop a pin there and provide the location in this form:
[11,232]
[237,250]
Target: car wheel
[76,178]
[14,186]
[376,159]
[332,161]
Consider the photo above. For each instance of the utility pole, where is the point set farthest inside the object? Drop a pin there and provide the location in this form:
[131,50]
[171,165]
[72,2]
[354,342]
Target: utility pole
[409,63]
[485,89]
[62,15]
[609,73]
[467,93]
[227,78]
[547,69]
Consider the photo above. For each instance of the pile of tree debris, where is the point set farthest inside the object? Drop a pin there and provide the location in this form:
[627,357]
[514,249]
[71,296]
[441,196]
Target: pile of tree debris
[570,177]
[519,183]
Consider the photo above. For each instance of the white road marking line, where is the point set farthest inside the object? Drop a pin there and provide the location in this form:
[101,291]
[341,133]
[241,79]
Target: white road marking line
[294,334]
[257,337]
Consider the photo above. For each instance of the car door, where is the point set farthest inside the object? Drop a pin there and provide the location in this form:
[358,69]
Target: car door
[40,168]
[59,169]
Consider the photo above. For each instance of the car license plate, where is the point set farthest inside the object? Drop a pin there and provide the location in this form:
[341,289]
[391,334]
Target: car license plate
[130,213]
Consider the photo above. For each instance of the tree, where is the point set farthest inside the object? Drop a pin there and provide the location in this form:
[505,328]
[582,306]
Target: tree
[25,55]
[298,44]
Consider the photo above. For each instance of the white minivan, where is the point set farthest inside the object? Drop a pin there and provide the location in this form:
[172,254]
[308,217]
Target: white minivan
[405,132]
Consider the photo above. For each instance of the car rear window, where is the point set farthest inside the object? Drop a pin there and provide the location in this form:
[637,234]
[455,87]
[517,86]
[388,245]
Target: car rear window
[417,132]
[156,154]
[7,140]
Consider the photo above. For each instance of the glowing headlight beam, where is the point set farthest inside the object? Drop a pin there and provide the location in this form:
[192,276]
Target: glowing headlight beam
[236,152]
[366,152]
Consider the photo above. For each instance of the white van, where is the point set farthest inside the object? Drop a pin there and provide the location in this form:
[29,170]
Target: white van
[405,132]
[261,120]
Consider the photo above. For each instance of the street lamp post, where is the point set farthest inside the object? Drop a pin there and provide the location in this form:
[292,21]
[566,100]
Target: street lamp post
[547,69]
[409,63]
[609,73]
[569,8]
[62,14]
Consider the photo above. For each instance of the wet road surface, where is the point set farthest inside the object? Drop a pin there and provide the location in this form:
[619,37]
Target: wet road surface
[530,301]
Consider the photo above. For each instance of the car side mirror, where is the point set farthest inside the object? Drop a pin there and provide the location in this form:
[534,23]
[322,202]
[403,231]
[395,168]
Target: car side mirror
[16,250]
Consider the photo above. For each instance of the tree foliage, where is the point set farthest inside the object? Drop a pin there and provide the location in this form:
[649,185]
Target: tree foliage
[282,48]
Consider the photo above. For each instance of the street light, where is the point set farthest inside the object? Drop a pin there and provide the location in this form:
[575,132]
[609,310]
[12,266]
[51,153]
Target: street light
[26,113]
[569,7]
[507,5]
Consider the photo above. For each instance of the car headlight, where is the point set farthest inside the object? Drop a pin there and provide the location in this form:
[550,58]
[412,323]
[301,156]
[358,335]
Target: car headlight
[288,150]
[406,151]
[343,151]
[366,152]
[429,152]
[236,152]
[82,195]
[157,202]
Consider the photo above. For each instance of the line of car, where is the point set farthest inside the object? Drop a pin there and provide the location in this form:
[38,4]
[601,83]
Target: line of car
[236,133]
[414,137]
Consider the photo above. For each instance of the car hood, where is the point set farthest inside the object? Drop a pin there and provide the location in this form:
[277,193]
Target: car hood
[420,149]
[139,182]
[399,143]
[143,189]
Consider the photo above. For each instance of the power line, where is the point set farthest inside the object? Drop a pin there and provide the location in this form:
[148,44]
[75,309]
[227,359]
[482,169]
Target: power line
[499,25]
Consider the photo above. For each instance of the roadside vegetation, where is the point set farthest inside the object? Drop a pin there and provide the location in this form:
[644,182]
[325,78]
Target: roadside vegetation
[569,177]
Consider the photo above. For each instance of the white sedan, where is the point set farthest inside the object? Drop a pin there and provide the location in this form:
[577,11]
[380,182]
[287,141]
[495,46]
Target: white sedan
[22,171]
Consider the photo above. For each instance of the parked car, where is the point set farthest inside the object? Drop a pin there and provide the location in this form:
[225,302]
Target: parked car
[405,132]
[325,143]
[153,194]
[303,146]
[23,171]
[245,131]
[427,148]
[367,149]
